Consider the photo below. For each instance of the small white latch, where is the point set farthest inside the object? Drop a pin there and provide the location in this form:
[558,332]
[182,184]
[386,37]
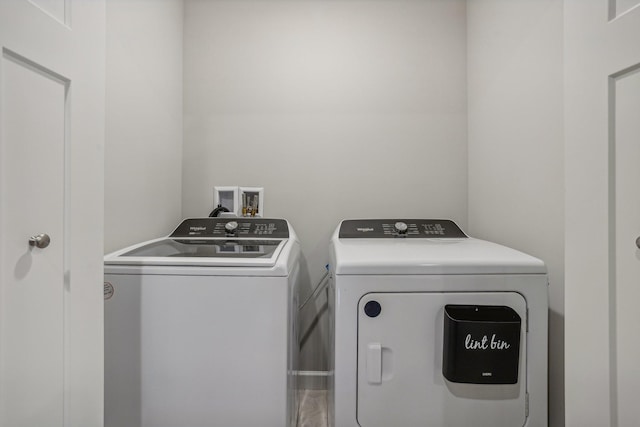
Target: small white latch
[374,363]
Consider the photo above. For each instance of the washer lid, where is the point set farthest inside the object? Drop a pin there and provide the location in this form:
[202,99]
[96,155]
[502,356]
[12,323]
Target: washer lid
[206,252]
[393,254]
[212,242]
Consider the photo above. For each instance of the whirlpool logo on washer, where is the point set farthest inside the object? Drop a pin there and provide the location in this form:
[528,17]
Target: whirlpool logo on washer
[364,230]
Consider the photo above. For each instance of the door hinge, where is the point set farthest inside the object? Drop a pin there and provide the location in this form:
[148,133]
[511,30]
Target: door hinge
[526,405]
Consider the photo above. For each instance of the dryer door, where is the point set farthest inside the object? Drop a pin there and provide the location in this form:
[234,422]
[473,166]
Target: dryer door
[401,349]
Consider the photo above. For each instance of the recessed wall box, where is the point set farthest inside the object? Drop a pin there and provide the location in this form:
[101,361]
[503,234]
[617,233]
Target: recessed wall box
[251,200]
[226,197]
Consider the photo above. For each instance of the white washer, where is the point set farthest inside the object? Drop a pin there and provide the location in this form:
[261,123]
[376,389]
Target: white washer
[199,326]
[433,328]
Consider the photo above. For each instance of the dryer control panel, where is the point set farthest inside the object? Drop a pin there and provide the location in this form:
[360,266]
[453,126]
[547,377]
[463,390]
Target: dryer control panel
[399,228]
[232,227]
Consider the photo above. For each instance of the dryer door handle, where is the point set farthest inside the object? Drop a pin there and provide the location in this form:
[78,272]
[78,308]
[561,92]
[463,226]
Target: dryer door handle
[374,363]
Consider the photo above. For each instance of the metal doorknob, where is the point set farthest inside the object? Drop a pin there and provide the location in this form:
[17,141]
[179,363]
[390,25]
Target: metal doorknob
[638,242]
[40,241]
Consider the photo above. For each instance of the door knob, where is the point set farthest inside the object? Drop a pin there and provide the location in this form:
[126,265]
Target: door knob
[638,242]
[40,241]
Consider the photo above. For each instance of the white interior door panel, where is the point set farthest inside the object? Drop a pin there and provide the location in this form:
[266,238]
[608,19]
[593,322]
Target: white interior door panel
[602,97]
[51,211]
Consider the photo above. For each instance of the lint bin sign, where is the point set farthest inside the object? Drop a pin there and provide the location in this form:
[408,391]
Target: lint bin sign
[481,344]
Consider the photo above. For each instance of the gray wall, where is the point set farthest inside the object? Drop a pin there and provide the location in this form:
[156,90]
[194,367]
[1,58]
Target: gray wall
[516,148]
[339,109]
[143,149]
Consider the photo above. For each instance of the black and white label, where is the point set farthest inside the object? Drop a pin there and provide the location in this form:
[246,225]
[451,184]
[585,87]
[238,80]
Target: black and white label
[481,344]
[485,343]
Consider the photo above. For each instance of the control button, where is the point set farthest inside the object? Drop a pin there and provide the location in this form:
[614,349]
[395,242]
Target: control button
[231,227]
[372,308]
[401,227]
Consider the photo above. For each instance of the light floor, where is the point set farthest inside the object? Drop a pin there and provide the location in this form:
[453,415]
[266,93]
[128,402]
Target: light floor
[313,408]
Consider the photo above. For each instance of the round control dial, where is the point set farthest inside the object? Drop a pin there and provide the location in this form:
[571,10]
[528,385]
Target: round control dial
[231,226]
[401,227]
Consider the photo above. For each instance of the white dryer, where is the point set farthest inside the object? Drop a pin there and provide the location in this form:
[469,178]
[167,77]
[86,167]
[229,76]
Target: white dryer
[200,326]
[433,328]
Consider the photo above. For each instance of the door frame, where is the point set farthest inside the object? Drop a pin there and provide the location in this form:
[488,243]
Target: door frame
[74,50]
[598,50]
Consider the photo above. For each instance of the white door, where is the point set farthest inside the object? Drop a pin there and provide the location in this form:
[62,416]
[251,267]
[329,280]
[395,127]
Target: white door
[602,285]
[51,172]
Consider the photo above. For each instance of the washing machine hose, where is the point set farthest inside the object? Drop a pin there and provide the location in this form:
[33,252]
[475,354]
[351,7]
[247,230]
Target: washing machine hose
[217,211]
[316,291]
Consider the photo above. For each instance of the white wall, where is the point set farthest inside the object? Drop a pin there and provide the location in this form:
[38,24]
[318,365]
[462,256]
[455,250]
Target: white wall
[516,151]
[143,153]
[340,109]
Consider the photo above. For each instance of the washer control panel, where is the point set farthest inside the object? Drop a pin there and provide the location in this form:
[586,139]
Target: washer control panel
[232,227]
[399,228]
